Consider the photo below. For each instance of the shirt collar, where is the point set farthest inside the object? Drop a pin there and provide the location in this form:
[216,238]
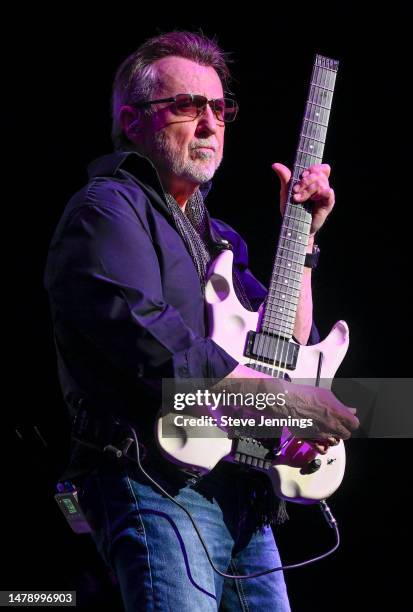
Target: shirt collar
[138,165]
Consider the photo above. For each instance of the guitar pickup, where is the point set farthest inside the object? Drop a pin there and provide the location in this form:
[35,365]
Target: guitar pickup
[272,349]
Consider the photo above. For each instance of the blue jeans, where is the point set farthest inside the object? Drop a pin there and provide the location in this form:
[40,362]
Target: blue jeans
[155,553]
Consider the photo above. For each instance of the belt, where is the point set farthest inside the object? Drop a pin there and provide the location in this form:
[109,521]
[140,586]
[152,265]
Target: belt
[112,435]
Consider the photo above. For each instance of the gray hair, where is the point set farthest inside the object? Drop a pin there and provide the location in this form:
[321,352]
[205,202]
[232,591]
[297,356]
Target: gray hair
[136,79]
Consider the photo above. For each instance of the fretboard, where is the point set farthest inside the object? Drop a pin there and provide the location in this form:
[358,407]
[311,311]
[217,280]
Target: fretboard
[284,289]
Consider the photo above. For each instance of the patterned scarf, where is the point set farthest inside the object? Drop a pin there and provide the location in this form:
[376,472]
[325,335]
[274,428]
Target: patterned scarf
[194,226]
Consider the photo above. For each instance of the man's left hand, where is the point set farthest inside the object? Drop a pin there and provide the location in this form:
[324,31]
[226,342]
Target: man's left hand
[313,185]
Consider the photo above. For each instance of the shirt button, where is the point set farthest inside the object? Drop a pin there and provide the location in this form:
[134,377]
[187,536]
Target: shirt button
[183,371]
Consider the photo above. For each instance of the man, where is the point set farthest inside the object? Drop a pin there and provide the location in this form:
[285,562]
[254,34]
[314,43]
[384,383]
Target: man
[125,274]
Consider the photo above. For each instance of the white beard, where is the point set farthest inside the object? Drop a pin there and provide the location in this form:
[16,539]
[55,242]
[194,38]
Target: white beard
[200,167]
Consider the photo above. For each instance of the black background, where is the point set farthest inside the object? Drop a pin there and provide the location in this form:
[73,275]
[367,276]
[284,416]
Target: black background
[57,106]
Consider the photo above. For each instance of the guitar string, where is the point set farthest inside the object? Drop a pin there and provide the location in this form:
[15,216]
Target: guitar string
[265,342]
[281,355]
[319,82]
[298,228]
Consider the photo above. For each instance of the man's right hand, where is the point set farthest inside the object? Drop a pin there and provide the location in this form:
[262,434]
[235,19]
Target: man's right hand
[331,418]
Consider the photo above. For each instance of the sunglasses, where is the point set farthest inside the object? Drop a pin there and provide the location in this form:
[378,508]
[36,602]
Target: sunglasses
[193,105]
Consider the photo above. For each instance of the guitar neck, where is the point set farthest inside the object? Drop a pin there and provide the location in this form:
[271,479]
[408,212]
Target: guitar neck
[281,303]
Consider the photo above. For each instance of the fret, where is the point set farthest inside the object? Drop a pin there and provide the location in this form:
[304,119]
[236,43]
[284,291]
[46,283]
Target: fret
[290,293]
[286,318]
[313,131]
[289,238]
[280,324]
[283,244]
[313,152]
[279,302]
[287,216]
[299,260]
[280,319]
[297,267]
[321,87]
[312,138]
[275,310]
[300,219]
[315,122]
[319,105]
[293,235]
[321,61]
[329,69]
[299,226]
[290,299]
[278,327]
[288,254]
[278,287]
[290,269]
[305,162]
[313,112]
[281,289]
[288,314]
[314,141]
[300,166]
[273,292]
[295,252]
[287,281]
[308,153]
[303,156]
[282,309]
[284,292]
[324,66]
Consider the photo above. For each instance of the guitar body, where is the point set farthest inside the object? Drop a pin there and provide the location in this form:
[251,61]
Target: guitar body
[230,323]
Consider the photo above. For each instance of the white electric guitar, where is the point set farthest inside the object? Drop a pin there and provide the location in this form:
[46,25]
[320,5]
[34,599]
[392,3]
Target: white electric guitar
[264,341]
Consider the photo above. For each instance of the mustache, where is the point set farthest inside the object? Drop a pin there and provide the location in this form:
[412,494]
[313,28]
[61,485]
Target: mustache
[203,143]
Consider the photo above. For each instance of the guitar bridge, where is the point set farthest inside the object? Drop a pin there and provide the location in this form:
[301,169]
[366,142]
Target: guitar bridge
[255,453]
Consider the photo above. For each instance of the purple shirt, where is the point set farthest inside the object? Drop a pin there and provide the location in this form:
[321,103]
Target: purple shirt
[125,296]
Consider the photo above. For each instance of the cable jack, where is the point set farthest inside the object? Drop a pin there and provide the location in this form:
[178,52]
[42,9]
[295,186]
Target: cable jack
[328,515]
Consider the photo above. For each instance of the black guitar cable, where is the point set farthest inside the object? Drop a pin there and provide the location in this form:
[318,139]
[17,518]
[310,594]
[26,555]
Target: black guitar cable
[332,522]
[324,507]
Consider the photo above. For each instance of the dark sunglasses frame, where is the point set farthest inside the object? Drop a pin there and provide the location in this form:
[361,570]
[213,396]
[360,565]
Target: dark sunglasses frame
[199,103]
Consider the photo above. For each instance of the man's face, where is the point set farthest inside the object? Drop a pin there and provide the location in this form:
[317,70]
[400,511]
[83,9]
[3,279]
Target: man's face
[184,149]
